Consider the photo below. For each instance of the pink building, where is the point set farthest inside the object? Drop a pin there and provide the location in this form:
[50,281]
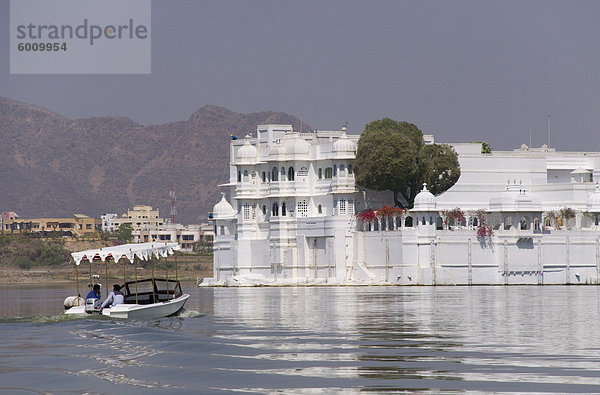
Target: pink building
[7,216]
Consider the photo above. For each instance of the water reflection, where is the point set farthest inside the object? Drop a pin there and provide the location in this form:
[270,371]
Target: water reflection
[456,338]
[299,340]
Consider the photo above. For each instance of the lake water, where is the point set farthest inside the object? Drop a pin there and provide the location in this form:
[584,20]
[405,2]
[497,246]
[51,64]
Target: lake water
[311,340]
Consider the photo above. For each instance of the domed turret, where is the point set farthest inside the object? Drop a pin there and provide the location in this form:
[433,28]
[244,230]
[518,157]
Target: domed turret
[277,150]
[295,145]
[593,201]
[344,144]
[247,153]
[424,201]
[516,198]
[223,210]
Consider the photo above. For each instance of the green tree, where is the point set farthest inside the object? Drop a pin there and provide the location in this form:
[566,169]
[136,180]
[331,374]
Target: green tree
[204,246]
[379,156]
[53,253]
[439,167]
[124,233]
[393,156]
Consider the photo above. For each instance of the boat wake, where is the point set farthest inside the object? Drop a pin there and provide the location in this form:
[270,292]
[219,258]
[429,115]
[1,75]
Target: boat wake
[190,314]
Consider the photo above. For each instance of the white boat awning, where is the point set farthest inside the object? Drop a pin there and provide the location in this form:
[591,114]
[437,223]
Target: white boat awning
[144,251]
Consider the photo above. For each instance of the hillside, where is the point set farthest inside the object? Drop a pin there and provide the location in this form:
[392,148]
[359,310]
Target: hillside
[54,166]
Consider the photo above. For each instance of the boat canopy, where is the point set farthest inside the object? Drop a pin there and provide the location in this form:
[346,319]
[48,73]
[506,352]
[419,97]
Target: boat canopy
[144,251]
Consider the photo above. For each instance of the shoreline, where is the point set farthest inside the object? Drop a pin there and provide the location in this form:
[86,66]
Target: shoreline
[66,274]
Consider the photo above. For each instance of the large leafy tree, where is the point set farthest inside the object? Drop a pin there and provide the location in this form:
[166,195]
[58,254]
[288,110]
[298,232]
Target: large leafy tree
[124,233]
[439,167]
[392,155]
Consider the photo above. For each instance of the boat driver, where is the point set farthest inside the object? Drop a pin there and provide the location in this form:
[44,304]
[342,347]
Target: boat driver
[115,297]
[94,293]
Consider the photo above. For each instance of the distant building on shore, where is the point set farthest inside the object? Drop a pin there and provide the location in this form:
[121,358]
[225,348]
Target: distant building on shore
[108,224]
[77,225]
[139,217]
[148,226]
[7,216]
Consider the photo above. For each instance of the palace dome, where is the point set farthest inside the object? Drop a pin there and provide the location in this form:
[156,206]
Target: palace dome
[247,153]
[223,210]
[277,150]
[593,201]
[424,201]
[344,144]
[515,198]
[295,145]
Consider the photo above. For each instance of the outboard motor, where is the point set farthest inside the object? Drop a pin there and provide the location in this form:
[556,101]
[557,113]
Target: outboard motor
[92,305]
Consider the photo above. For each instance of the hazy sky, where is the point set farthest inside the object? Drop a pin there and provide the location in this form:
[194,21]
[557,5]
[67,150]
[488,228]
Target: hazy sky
[461,70]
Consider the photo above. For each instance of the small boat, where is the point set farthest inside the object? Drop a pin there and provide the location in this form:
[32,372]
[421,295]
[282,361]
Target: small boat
[148,298]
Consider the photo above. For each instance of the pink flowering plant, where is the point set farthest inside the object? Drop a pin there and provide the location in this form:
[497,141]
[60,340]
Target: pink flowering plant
[387,211]
[454,216]
[483,230]
[367,215]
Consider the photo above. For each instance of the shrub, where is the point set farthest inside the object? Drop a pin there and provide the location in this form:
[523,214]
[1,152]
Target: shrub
[23,263]
[53,253]
[483,229]
[386,210]
[455,216]
[367,215]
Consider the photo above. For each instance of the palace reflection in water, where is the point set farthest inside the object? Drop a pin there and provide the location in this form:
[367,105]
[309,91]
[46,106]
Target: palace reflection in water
[324,339]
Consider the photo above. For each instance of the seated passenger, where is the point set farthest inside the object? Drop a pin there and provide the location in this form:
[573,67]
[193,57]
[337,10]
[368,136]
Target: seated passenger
[94,293]
[116,297]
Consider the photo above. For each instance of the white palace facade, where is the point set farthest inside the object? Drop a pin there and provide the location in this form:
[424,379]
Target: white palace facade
[288,218]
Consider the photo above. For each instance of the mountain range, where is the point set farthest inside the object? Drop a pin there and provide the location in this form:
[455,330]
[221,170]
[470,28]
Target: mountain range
[53,166]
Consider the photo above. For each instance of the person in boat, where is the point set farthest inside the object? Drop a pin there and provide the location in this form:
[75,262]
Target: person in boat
[94,293]
[114,298]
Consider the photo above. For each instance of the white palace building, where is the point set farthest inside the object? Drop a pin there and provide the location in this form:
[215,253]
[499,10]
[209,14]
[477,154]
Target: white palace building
[288,218]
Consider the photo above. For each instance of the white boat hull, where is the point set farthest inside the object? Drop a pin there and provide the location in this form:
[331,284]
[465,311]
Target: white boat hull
[139,311]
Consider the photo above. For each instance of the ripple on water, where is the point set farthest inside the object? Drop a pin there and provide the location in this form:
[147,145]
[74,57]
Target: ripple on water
[304,341]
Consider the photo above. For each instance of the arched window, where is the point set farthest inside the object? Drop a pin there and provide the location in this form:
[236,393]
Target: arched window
[328,172]
[283,174]
[524,223]
[222,230]
[239,176]
[291,174]
[350,169]
[507,223]
[536,224]
[264,209]
[283,210]
[264,177]
[408,222]
[342,170]
[335,170]
[275,210]
[320,209]
[274,174]
[245,175]
[320,173]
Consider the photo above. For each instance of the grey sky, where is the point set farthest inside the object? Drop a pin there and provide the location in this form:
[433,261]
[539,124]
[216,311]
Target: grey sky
[461,70]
